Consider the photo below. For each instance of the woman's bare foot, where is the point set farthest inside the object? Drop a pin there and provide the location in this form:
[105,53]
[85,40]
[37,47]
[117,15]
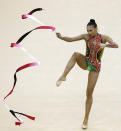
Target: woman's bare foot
[60,80]
[84,126]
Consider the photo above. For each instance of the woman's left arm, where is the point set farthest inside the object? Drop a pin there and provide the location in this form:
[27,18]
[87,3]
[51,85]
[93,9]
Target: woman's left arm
[109,42]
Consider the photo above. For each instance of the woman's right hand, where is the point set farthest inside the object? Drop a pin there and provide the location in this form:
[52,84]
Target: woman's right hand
[58,35]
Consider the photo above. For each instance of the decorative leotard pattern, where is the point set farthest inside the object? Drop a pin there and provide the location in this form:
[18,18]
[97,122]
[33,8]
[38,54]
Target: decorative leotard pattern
[94,53]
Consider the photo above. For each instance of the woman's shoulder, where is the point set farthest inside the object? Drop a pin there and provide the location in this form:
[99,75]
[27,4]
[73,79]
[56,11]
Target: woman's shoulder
[104,36]
[86,36]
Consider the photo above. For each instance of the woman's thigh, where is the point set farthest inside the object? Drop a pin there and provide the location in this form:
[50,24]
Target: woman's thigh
[80,59]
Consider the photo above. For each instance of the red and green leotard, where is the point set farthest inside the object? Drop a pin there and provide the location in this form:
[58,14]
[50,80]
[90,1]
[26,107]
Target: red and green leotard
[94,53]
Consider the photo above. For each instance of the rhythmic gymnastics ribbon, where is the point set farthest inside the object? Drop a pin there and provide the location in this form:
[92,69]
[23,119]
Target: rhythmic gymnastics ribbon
[17,44]
[20,121]
[29,15]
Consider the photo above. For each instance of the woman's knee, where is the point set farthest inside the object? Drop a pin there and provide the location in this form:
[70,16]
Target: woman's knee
[75,55]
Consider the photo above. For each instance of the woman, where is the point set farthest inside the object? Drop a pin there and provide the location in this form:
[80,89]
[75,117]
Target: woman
[95,44]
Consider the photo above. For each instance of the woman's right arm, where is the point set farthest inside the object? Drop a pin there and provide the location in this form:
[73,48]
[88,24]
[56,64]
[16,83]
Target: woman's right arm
[71,39]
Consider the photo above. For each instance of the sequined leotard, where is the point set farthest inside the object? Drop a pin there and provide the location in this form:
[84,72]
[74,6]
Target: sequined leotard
[94,53]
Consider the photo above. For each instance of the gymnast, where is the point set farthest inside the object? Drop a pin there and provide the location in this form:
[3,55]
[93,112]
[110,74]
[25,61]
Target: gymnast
[95,44]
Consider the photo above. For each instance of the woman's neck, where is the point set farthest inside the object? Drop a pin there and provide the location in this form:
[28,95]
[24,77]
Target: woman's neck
[95,35]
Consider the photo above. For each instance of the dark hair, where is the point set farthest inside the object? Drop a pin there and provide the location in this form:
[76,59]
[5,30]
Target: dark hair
[92,23]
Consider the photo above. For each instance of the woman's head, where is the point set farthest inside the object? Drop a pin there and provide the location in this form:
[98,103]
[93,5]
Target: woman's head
[92,27]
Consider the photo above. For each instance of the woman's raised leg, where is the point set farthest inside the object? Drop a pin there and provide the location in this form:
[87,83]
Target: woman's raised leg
[76,58]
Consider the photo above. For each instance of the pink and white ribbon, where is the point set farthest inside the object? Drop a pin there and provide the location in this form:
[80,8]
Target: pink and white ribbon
[29,15]
[36,63]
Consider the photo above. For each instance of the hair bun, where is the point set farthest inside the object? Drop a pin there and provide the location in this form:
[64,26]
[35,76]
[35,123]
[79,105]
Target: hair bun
[92,20]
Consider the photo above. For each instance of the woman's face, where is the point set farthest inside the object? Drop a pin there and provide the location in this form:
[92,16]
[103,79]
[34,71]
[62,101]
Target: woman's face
[91,30]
